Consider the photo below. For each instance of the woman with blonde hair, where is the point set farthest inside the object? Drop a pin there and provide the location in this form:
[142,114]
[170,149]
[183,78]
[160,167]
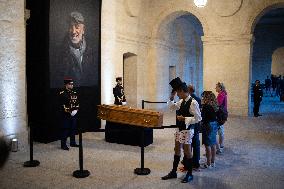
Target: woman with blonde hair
[222,101]
[209,126]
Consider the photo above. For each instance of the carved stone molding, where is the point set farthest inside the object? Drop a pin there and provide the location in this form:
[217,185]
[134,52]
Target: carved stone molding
[131,39]
[145,41]
[171,47]
[232,39]
[227,8]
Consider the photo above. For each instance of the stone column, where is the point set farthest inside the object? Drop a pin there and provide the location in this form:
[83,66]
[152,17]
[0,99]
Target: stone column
[13,69]
[108,45]
[227,59]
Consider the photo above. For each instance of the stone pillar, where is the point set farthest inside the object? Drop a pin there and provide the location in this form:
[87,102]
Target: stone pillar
[227,59]
[13,119]
[108,44]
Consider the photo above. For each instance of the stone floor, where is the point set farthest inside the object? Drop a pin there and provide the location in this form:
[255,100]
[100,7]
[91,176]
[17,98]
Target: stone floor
[253,158]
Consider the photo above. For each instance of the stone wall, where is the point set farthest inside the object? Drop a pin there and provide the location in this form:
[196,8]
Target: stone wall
[227,25]
[13,70]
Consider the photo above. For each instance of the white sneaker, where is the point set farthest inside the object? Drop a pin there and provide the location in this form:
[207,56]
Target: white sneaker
[205,166]
[219,151]
[213,165]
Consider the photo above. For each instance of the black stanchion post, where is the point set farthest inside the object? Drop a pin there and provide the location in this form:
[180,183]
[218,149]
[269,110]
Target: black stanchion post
[142,170]
[143,104]
[81,173]
[31,162]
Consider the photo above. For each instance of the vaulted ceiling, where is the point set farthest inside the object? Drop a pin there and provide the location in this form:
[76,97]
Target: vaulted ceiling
[273,17]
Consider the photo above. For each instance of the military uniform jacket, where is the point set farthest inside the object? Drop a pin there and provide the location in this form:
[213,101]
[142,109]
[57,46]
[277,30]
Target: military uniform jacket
[118,93]
[257,93]
[68,101]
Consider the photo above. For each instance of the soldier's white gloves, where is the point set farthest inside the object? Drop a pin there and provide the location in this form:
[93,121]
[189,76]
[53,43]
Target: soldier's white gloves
[74,112]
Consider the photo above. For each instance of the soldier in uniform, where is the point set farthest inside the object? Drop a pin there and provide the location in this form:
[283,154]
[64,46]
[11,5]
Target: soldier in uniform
[69,107]
[118,92]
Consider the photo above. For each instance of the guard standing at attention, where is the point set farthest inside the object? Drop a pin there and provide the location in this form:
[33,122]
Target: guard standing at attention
[118,92]
[69,107]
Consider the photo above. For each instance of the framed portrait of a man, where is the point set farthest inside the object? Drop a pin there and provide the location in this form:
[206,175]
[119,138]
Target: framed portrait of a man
[74,33]
[63,41]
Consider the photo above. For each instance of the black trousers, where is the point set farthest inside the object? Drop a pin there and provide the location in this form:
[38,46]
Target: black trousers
[68,129]
[256,107]
[196,148]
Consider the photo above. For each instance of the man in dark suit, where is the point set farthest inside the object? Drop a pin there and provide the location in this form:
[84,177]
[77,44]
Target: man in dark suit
[257,97]
[195,139]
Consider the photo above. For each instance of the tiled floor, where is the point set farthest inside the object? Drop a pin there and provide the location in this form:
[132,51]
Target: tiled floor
[253,158]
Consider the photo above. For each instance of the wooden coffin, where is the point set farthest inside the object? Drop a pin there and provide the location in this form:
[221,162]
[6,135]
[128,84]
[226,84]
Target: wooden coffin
[131,116]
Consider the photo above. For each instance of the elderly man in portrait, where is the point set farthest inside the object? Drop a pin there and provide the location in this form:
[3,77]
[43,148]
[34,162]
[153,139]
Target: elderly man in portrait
[76,58]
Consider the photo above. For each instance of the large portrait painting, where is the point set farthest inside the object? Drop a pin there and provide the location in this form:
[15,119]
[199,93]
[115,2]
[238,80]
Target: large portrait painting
[74,29]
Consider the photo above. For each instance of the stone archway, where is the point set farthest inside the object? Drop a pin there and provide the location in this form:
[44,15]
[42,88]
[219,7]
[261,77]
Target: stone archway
[267,33]
[258,13]
[161,64]
[170,13]
[277,67]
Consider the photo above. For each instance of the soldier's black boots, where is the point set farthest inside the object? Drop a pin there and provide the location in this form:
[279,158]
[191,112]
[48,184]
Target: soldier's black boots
[73,141]
[173,173]
[74,145]
[64,147]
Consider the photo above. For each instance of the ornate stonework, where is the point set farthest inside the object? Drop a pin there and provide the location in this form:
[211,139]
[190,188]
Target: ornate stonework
[227,8]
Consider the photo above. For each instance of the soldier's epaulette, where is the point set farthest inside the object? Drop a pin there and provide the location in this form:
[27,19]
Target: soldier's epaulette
[61,92]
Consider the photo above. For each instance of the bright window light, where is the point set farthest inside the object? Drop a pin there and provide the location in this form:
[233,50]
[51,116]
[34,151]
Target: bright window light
[200,3]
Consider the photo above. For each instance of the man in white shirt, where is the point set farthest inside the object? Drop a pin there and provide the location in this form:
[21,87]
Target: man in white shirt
[188,113]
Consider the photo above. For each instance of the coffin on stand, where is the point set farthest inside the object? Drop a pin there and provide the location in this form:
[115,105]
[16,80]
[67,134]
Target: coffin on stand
[124,125]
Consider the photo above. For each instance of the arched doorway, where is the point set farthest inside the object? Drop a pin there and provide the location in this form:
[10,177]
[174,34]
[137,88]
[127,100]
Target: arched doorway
[277,65]
[130,78]
[179,52]
[268,30]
